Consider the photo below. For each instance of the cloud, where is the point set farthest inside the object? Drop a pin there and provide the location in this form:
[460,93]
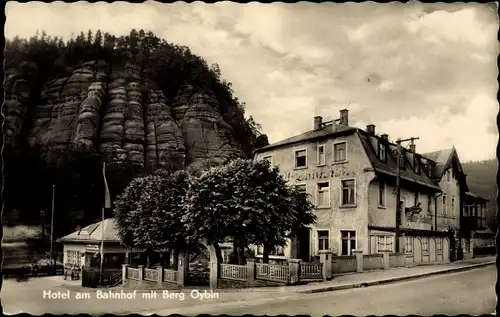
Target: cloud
[399,66]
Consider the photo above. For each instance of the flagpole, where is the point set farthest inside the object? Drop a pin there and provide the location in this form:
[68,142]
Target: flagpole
[52,223]
[102,223]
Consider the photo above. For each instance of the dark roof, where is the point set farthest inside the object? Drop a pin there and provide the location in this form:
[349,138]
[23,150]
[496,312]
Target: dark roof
[470,194]
[93,233]
[442,159]
[390,166]
[328,130]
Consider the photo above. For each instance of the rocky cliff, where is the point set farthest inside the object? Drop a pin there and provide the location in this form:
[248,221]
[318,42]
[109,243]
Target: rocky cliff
[108,109]
[136,101]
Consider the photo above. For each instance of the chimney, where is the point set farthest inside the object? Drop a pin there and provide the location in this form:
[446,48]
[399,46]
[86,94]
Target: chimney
[344,117]
[413,148]
[317,122]
[370,129]
[385,137]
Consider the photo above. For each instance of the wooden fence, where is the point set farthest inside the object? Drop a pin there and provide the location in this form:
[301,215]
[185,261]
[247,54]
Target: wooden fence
[132,273]
[151,275]
[169,275]
[311,271]
[233,272]
[270,272]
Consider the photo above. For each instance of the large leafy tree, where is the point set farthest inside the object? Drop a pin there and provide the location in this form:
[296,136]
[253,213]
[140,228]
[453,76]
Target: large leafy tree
[246,200]
[149,212]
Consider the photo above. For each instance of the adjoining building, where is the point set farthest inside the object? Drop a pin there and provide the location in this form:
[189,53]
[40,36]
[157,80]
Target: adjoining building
[350,175]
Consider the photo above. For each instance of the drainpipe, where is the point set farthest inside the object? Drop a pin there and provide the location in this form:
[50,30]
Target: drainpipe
[436,210]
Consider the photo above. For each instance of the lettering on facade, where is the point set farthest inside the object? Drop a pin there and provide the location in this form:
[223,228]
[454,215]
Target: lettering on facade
[417,218]
[314,174]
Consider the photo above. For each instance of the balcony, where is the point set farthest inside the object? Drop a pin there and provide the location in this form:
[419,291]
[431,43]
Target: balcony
[469,222]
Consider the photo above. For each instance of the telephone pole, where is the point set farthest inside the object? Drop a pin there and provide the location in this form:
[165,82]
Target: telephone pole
[398,190]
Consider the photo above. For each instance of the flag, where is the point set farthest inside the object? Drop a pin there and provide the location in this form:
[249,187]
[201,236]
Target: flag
[107,197]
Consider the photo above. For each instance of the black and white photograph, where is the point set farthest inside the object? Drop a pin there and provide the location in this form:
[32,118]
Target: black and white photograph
[249,158]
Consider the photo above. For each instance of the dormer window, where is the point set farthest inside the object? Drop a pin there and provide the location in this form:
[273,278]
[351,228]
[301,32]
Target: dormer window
[402,161]
[382,154]
[448,175]
[416,163]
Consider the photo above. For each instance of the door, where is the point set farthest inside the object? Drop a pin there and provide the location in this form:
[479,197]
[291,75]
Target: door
[417,250]
[304,244]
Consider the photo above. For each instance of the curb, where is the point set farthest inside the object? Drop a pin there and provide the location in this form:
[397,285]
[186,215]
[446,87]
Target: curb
[394,279]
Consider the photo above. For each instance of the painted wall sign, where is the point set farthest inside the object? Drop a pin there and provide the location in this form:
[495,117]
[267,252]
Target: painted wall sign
[418,218]
[300,176]
[92,248]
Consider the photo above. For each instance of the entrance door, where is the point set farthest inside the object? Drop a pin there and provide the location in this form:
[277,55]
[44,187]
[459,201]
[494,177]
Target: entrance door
[303,244]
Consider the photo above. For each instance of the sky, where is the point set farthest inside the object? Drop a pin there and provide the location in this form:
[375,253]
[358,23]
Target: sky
[423,70]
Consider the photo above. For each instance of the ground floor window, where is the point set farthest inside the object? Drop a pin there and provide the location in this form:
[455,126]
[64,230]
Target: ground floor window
[348,238]
[425,244]
[73,257]
[439,244]
[385,243]
[323,238]
[409,244]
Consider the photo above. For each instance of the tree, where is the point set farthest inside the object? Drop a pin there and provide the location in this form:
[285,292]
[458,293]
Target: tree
[148,213]
[248,201]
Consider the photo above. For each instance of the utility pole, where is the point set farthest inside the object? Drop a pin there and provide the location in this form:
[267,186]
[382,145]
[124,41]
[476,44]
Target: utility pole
[398,190]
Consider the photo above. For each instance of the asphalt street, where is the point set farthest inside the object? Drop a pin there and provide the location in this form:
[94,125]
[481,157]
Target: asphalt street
[470,292]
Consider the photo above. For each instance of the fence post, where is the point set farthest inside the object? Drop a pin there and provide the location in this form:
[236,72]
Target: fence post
[160,274]
[141,272]
[182,268]
[325,257]
[250,270]
[386,258]
[124,273]
[294,265]
[359,260]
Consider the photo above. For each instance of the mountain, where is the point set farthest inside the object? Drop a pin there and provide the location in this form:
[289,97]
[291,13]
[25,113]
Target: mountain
[481,178]
[136,102]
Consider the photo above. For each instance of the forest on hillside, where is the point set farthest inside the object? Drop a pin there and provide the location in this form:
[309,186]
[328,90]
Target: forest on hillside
[481,178]
[30,172]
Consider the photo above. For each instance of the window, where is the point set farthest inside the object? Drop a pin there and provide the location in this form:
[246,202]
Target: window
[323,240]
[321,155]
[453,204]
[348,192]
[73,257]
[385,243]
[269,159]
[402,161]
[417,198]
[448,175]
[425,244]
[301,188]
[416,163]
[382,154]
[439,244]
[409,244]
[278,250]
[381,193]
[444,204]
[339,150]
[323,194]
[301,158]
[348,242]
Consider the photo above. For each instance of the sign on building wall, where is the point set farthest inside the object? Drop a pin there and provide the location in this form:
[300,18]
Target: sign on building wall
[417,219]
[300,176]
[92,248]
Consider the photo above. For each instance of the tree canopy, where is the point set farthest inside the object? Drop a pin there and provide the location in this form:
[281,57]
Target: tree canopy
[248,201]
[149,212]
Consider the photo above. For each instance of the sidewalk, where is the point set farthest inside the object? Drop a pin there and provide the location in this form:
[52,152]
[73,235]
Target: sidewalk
[242,297]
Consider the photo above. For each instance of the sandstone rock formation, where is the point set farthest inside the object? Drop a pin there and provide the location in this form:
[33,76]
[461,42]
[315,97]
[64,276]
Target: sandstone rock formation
[111,110]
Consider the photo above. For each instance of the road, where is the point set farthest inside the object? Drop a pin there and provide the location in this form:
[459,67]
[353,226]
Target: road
[470,292]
